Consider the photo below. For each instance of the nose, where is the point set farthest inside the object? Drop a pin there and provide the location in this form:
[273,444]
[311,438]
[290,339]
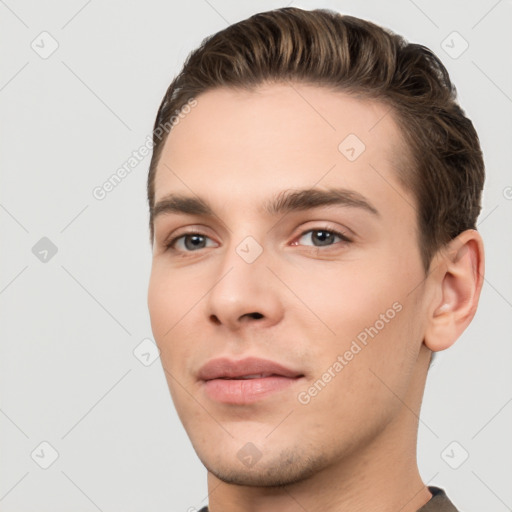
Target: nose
[245,292]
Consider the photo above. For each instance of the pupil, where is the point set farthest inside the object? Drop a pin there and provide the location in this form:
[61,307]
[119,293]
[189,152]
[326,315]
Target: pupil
[323,236]
[194,241]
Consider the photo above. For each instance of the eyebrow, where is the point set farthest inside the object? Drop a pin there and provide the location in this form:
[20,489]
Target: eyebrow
[284,202]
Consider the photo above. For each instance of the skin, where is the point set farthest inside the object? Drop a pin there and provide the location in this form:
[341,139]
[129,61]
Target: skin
[353,446]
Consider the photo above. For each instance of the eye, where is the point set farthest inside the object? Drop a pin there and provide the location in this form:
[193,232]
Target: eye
[321,237]
[194,241]
[189,242]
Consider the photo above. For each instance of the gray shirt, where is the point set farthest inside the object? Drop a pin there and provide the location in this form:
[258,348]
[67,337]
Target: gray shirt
[438,503]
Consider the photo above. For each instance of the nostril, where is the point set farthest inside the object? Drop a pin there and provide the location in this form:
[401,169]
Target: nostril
[214,319]
[256,315]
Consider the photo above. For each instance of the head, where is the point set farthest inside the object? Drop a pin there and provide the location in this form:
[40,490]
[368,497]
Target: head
[292,121]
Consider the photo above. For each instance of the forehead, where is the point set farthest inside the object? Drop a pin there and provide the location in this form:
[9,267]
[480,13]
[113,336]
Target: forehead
[278,136]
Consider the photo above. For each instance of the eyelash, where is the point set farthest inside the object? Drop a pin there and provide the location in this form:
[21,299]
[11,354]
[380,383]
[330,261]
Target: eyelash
[344,239]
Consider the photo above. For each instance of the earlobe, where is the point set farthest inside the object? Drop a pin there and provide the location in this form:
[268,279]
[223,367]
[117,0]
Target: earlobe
[458,280]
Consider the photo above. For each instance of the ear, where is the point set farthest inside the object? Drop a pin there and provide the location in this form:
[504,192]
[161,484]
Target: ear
[457,277]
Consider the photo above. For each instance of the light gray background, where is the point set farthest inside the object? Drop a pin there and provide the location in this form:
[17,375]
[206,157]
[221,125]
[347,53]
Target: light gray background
[68,373]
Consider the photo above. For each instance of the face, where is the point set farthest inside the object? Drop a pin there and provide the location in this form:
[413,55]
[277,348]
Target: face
[285,294]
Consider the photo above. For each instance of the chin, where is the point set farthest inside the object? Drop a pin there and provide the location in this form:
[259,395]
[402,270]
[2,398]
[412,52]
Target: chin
[284,468]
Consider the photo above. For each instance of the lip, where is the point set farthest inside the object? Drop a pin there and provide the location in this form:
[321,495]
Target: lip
[223,379]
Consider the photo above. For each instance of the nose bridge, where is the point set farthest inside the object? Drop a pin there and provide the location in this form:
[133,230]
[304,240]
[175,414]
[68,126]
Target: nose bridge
[245,245]
[243,265]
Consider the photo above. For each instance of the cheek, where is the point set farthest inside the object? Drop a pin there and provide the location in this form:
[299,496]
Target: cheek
[160,304]
[346,299]
[165,306]
[375,365]
[170,296]
[364,314]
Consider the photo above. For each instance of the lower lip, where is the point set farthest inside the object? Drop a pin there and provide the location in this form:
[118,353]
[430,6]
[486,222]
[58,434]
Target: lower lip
[245,391]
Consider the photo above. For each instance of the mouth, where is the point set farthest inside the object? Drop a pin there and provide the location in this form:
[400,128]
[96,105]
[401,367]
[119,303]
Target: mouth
[245,381]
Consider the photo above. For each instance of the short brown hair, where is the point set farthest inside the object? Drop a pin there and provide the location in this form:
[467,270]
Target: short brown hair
[443,166]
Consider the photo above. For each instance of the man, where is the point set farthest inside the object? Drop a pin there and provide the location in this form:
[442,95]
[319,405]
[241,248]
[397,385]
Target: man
[313,190]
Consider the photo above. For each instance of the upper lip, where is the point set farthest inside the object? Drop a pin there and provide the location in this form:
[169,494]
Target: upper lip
[231,369]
